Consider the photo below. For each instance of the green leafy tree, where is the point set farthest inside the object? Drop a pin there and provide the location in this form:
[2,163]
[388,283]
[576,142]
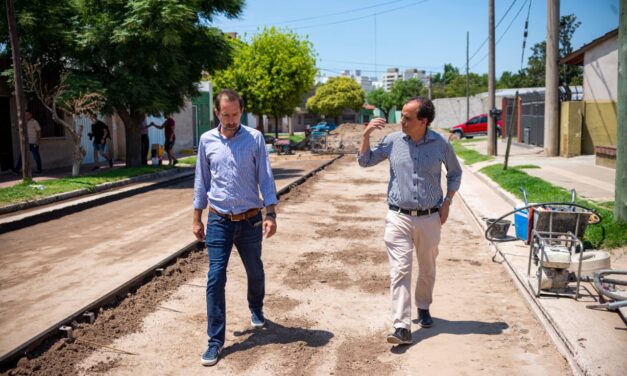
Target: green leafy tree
[457,86]
[337,94]
[439,81]
[149,55]
[146,55]
[382,100]
[272,73]
[510,80]
[535,71]
[402,90]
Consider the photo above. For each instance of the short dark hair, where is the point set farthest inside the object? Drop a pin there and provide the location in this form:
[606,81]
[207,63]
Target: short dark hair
[231,96]
[426,109]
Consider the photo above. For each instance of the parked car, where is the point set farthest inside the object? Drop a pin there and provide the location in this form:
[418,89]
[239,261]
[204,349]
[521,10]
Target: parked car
[323,126]
[476,126]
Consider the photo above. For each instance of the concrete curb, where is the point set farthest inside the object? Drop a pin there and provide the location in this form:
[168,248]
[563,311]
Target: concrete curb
[545,319]
[135,186]
[11,208]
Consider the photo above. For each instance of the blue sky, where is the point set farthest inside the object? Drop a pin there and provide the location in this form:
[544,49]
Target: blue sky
[373,35]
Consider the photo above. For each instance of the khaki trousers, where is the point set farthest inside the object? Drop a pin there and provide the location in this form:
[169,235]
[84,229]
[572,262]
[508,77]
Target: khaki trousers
[403,234]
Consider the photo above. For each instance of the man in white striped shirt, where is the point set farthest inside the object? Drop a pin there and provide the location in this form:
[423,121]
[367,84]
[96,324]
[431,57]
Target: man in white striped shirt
[231,170]
[417,206]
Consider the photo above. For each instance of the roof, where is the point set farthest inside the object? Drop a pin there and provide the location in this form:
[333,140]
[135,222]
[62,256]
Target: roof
[576,57]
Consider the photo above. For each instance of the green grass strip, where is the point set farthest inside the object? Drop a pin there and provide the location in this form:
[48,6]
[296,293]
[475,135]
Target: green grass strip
[296,138]
[40,189]
[468,155]
[608,234]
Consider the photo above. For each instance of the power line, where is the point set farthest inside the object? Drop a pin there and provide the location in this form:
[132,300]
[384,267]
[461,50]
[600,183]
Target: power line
[497,25]
[502,35]
[525,33]
[373,64]
[350,19]
[325,15]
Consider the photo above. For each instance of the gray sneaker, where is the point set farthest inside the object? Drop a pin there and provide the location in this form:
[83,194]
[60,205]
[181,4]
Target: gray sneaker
[257,320]
[400,337]
[211,356]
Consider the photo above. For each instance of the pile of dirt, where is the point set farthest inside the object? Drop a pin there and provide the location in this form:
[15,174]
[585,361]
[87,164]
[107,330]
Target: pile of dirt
[59,357]
[347,137]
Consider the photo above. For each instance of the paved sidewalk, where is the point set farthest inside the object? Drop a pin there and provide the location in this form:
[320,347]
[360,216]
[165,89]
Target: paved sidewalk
[594,341]
[581,173]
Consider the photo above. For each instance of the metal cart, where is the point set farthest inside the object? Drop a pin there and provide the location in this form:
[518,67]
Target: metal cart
[555,238]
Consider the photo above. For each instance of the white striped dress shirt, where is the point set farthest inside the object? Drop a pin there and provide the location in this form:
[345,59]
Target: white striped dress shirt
[415,169]
[230,172]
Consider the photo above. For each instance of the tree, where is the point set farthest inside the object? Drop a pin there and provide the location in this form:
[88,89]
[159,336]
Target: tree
[457,86]
[382,100]
[72,97]
[402,90]
[337,94]
[146,55]
[272,73]
[535,71]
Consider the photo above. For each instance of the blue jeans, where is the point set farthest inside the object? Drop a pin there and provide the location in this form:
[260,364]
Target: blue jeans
[222,234]
[34,148]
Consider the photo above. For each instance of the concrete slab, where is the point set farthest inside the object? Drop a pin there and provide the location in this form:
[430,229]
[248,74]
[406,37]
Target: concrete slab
[581,173]
[595,340]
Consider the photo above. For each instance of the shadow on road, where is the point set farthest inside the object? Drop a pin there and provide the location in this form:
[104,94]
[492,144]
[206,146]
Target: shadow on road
[442,326]
[273,333]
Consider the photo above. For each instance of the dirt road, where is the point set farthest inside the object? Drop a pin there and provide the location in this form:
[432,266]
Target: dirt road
[328,305]
[51,270]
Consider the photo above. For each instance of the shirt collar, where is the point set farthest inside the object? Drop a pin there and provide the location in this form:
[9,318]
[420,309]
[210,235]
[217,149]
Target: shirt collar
[429,136]
[236,132]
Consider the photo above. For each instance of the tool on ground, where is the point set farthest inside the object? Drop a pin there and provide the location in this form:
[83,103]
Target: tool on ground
[553,231]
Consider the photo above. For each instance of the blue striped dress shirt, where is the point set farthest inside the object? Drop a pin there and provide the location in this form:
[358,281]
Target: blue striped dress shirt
[230,172]
[415,169]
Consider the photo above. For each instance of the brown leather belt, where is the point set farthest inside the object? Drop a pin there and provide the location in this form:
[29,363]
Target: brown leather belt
[237,217]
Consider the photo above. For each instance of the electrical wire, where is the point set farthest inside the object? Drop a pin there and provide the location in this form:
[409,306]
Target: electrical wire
[325,15]
[346,20]
[503,34]
[497,25]
[522,57]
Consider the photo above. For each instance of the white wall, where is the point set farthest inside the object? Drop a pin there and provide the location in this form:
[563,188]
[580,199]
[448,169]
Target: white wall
[601,72]
[452,111]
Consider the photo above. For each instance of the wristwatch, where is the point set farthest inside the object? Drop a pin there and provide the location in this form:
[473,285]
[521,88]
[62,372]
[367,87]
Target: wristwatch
[271,215]
[448,199]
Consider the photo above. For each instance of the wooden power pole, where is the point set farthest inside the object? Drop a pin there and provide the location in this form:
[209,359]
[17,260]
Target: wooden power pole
[491,87]
[620,189]
[19,92]
[467,77]
[551,93]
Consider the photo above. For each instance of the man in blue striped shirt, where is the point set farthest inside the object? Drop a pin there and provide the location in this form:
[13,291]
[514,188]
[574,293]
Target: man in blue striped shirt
[417,206]
[231,170]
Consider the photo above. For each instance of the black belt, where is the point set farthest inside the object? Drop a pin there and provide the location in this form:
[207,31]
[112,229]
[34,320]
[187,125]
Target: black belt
[414,212]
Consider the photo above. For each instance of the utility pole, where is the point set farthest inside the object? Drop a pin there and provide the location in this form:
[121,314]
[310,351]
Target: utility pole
[467,77]
[19,92]
[620,189]
[430,86]
[491,86]
[551,93]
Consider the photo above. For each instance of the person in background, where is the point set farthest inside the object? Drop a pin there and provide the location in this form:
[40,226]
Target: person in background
[100,134]
[170,137]
[33,131]
[145,141]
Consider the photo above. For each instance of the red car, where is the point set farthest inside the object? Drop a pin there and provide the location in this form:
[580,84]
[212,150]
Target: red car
[476,126]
